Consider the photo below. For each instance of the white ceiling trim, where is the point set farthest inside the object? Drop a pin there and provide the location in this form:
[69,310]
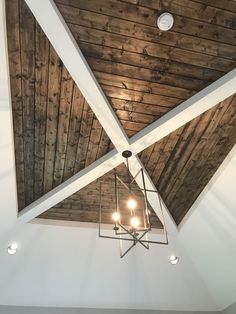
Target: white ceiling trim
[51,21]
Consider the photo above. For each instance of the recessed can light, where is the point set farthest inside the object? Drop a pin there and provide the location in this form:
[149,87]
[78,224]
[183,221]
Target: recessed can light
[12,248]
[165,21]
[174,259]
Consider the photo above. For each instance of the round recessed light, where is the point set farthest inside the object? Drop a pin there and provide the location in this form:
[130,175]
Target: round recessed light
[165,21]
[174,259]
[12,249]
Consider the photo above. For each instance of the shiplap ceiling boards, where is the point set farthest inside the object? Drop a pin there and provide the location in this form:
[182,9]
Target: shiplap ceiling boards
[90,79]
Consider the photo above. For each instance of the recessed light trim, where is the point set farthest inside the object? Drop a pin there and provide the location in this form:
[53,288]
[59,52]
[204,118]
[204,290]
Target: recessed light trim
[174,259]
[165,21]
[12,248]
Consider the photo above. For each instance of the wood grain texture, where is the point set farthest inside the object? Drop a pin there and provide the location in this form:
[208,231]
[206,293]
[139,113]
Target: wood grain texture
[135,62]
[144,73]
[84,205]
[182,163]
[55,132]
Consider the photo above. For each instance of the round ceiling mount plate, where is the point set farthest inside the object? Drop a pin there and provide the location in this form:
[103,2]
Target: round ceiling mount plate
[126,153]
[165,21]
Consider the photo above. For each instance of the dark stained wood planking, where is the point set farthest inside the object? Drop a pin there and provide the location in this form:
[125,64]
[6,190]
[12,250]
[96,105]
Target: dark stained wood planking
[201,10]
[66,92]
[135,63]
[54,83]
[84,205]
[49,113]
[101,16]
[195,152]
[144,73]
[41,92]
[27,42]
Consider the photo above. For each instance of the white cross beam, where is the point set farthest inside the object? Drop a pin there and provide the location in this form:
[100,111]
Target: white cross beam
[51,21]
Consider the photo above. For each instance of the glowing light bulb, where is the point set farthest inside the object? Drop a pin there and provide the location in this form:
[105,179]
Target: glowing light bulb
[116,216]
[12,248]
[132,204]
[134,222]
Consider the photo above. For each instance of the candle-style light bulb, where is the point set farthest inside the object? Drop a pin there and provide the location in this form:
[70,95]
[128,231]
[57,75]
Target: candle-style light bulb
[134,222]
[116,216]
[131,203]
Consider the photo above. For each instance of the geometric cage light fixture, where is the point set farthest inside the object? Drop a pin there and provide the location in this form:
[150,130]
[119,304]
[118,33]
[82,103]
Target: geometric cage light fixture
[131,214]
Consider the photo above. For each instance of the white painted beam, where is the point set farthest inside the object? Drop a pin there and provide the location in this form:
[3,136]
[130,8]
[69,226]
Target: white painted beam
[72,185]
[185,112]
[8,193]
[58,33]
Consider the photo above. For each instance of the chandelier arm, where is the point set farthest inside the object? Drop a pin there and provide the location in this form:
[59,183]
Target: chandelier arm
[122,255]
[115,238]
[128,232]
[126,186]
[135,176]
[145,198]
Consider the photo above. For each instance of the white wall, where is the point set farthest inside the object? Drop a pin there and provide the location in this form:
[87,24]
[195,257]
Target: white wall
[34,310]
[230,310]
[208,234]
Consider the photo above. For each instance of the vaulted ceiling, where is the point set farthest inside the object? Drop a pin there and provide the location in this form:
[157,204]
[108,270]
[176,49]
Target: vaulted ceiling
[144,73]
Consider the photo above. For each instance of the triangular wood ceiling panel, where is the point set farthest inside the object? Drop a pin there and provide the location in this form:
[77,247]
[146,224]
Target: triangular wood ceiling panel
[56,133]
[145,72]
[182,163]
[84,205]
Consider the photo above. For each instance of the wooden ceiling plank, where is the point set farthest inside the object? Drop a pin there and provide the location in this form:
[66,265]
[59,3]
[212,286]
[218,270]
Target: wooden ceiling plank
[135,117]
[198,11]
[27,42]
[214,161]
[104,145]
[185,151]
[150,33]
[142,86]
[54,82]
[72,185]
[47,15]
[85,131]
[146,74]
[188,110]
[94,141]
[149,62]
[73,132]
[219,117]
[165,155]
[222,141]
[147,16]
[224,5]
[41,93]
[185,145]
[157,152]
[203,54]
[138,107]
[12,16]
[147,98]
[132,125]
[66,92]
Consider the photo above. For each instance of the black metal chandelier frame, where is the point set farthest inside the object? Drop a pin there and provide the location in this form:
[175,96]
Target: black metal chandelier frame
[124,233]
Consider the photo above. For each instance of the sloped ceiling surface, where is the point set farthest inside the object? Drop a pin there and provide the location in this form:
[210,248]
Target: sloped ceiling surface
[56,133]
[143,72]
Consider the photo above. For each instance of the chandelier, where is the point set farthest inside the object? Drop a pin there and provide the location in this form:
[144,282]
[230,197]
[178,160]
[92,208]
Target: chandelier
[131,214]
